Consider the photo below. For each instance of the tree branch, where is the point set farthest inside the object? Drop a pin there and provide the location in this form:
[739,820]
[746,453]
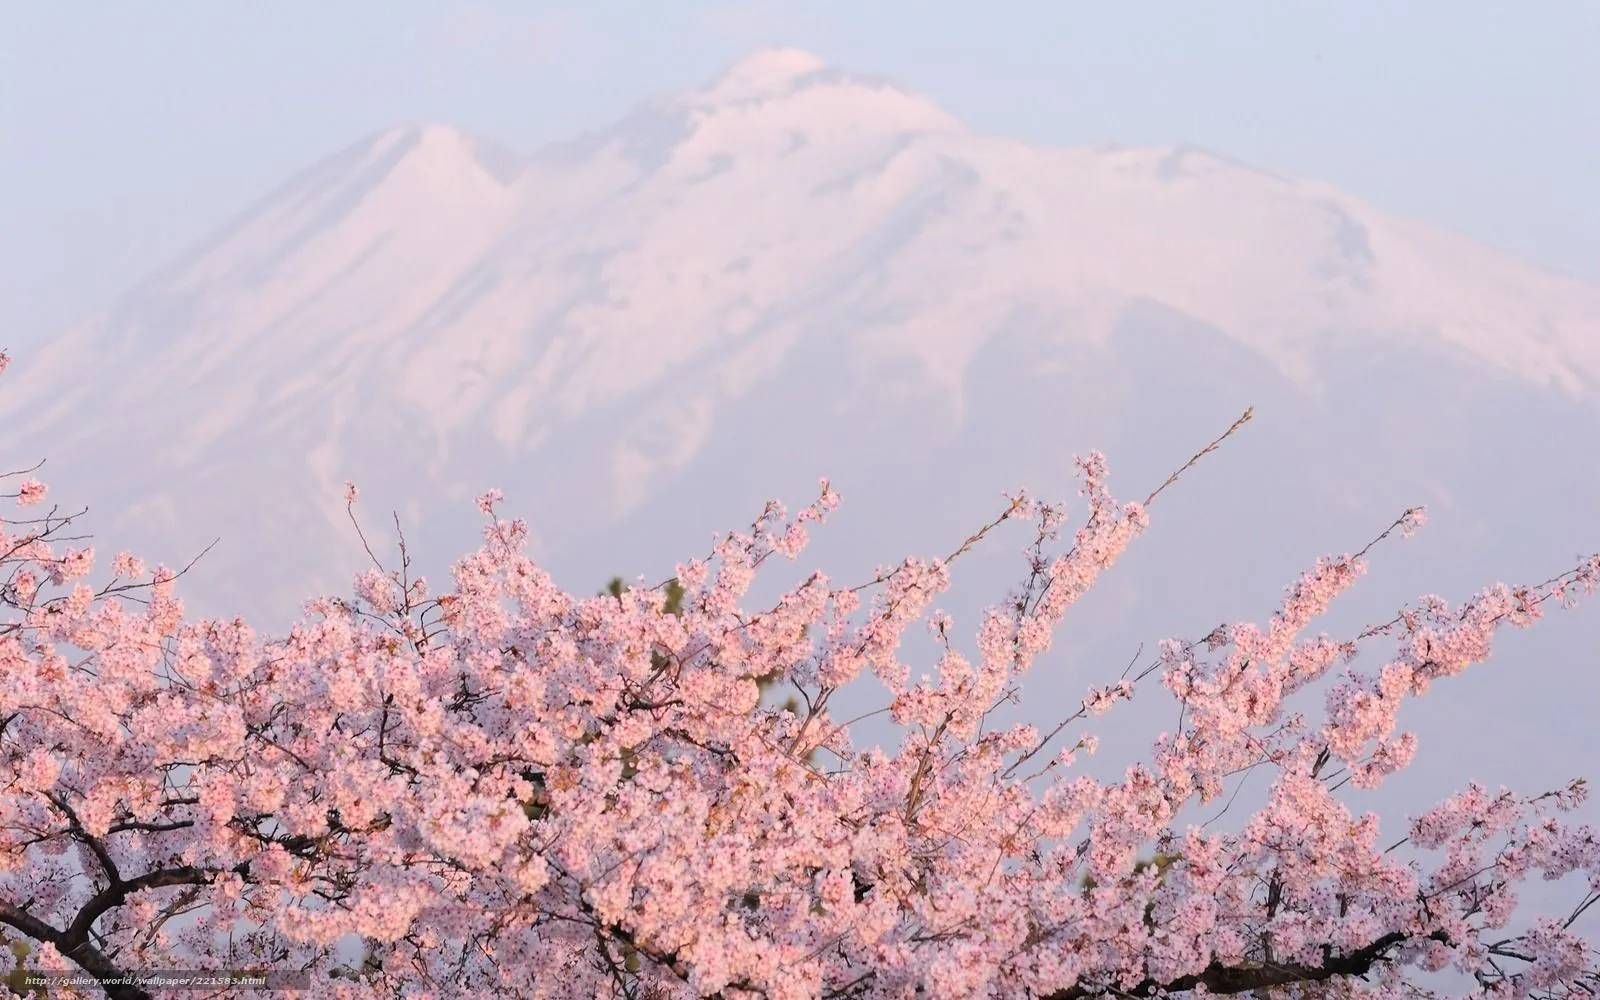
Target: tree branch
[1218,978]
[89,958]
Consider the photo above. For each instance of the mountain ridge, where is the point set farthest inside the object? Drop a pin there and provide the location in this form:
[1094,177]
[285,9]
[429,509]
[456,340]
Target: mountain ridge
[641,289]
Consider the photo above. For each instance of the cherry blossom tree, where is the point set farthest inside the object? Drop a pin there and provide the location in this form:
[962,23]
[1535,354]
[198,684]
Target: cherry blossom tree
[504,790]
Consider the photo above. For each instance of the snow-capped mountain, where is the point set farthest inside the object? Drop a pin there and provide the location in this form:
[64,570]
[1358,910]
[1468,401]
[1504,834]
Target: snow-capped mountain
[794,271]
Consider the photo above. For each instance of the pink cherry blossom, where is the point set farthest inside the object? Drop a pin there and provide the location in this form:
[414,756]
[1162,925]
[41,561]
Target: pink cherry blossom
[29,492]
[505,790]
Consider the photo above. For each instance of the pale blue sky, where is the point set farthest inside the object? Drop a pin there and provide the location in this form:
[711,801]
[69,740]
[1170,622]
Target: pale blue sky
[129,130]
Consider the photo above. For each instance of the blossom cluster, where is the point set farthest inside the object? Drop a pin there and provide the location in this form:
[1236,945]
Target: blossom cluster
[507,790]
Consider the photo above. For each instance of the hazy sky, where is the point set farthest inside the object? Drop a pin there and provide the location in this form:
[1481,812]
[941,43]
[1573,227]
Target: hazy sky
[130,130]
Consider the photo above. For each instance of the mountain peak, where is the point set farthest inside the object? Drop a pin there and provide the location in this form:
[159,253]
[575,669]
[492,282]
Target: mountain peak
[765,72]
[437,147]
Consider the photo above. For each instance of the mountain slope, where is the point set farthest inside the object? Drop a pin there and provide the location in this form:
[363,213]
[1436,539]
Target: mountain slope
[604,327]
